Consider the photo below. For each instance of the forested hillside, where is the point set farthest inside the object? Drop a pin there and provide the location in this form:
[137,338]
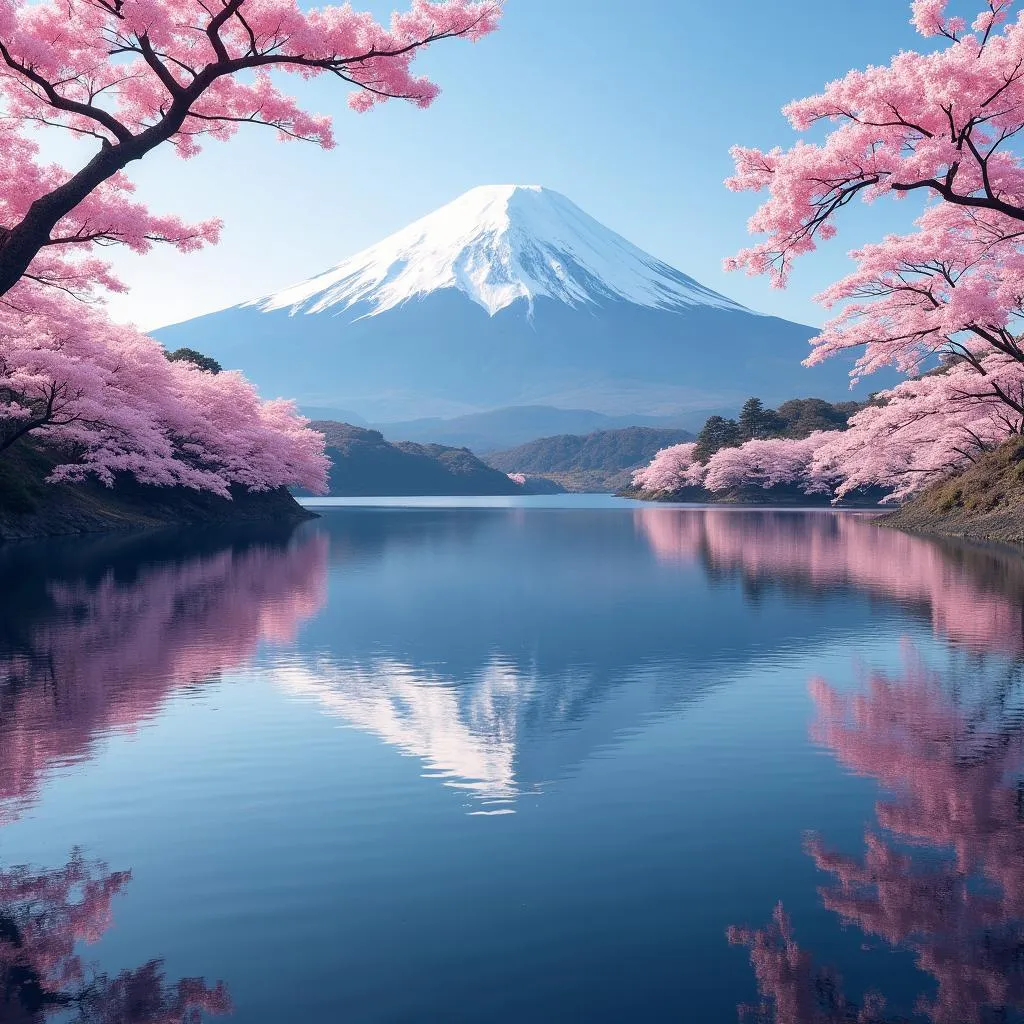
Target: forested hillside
[364,463]
[599,461]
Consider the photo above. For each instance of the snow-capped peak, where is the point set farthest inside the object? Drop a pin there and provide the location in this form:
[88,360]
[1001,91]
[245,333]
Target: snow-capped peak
[499,244]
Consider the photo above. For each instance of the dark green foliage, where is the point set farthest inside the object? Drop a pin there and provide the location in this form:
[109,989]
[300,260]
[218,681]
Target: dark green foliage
[802,416]
[797,418]
[757,421]
[717,433]
[190,355]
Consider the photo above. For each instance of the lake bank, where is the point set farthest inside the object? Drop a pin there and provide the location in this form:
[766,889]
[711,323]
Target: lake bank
[783,496]
[984,504]
[31,508]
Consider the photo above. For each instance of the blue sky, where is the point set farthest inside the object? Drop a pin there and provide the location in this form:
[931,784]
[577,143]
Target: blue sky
[629,109]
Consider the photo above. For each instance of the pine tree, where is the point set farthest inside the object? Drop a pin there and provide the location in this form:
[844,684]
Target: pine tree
[717,433]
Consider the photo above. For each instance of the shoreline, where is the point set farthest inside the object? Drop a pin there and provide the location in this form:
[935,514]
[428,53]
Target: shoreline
[31,508]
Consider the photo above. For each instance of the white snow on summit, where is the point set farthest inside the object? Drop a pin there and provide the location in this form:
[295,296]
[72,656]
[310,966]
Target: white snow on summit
[499,244]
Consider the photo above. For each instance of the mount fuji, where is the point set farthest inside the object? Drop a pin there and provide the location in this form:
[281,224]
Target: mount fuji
[509,296]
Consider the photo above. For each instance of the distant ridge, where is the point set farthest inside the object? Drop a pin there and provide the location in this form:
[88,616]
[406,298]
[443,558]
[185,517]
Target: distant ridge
[506,428]
[364,464]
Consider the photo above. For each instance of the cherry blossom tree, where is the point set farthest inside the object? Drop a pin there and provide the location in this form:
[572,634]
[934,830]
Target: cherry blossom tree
[136,74]
[926,429]
[941,124]
[760,462]
[671,470]
[129,76]
[768,462]
[108,402]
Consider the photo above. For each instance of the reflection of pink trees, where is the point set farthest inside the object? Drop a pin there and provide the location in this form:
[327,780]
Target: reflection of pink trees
[825,549]
[107,655]
[943,876]
[794,990]
[44,916]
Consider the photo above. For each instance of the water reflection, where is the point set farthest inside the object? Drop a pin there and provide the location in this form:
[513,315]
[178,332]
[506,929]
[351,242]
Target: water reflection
[96,635]
[941,874]
[508,651]
[556,637]
[972,595]
[502,648]
[45,917]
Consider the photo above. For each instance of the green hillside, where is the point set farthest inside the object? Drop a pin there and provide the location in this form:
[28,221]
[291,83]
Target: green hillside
[601,461]
[363,463]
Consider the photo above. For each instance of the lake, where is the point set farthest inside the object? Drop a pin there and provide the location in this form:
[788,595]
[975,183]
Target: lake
[549,760]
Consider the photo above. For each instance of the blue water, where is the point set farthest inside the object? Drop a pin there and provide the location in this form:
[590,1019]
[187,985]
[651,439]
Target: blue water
[553,760]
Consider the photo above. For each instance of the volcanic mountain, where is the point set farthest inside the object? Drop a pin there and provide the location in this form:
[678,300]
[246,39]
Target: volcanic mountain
[509,296]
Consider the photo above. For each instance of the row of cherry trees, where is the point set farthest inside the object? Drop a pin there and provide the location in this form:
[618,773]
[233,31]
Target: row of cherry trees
[912,435]
[131,76]
[942,304]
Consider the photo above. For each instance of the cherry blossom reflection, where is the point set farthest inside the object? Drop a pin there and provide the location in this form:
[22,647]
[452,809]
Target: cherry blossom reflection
[45,919]
[972,596]
[942,873]
[104,653]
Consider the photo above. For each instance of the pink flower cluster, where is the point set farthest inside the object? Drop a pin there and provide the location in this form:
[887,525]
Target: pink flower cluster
[945,125]
[134,75]
[761,462]
[137,74]
[115,405]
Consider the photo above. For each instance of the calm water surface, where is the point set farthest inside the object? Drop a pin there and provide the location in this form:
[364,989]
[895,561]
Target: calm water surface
[543,762]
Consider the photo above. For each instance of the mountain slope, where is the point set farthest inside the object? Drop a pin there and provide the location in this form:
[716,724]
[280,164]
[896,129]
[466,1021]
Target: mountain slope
[498,245]
[602,461]
[508,296]
[363,463]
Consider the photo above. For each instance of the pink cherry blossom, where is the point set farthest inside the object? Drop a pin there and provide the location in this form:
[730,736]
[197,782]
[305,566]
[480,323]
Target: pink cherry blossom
[944,125]
[768,462]
[671,470]
[131,76]
[107,396]
[137,74]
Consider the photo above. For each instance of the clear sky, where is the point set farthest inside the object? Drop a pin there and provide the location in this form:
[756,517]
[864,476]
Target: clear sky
[628,108]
